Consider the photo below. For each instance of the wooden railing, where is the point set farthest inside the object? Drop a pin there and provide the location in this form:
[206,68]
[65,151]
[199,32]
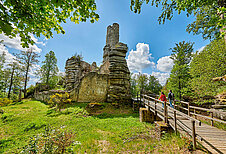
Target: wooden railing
[169,114]
[196,114]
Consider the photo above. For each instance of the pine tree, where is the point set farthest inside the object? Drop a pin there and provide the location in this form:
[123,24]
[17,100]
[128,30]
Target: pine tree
[179,76]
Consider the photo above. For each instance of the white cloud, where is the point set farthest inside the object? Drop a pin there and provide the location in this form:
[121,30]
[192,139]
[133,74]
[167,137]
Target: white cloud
[165,64]
[162,77]
[140,58]
[201,49]
[15,43]
[9,57]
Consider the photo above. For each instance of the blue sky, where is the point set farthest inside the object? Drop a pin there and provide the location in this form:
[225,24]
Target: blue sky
[89,39]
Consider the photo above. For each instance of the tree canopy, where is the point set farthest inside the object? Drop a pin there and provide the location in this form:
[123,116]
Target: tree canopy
[144,83]
[49,68]
[181,55]
[206,65]
[210,14]
[27,59]
[42,17]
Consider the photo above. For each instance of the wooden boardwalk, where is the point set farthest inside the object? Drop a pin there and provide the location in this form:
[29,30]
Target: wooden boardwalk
[211,138]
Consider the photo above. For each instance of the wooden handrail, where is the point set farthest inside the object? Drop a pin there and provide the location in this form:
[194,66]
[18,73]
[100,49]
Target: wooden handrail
[218,120]
[188,117]
[208,110]
[192,107]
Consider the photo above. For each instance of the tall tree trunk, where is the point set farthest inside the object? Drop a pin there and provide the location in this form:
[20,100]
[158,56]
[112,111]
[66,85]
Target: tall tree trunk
[11,82]
[179,87]
[20,95]
[25,84]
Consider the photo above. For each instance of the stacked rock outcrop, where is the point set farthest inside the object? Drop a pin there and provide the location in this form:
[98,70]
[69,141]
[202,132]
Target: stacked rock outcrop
[110,82]
[75,70]
[115,53]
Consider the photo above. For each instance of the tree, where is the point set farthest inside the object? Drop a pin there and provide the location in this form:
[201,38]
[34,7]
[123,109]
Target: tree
[4,82]
[210,14]
[27,59]
[142,83]
[153,85]
[2,62]
[206,65]
[133,83]
[49,68]
[13,68]
[181,55]
[22,17]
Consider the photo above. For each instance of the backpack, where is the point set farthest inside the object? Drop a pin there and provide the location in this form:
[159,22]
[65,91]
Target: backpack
[171,95]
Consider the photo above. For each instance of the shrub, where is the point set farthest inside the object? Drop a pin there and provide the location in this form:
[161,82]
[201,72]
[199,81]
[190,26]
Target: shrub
[77,112]
[34,125]
[59,100]
[5,101]
[6,117]
[51,141]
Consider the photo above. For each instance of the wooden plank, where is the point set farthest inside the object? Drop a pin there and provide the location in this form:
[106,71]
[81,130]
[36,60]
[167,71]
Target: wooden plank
[212,138]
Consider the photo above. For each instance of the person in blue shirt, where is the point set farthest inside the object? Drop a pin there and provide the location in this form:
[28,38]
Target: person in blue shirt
[171,98]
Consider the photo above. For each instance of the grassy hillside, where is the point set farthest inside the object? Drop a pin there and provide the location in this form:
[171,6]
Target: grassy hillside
[107,130]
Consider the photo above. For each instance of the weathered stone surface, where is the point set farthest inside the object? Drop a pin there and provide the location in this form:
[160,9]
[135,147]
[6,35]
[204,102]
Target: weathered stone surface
[119,74]
[117,53]
[112,36]
[104,68]
[93,88]
[75,70]
[45,95]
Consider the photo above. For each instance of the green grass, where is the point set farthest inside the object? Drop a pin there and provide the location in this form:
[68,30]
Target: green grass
[108,130]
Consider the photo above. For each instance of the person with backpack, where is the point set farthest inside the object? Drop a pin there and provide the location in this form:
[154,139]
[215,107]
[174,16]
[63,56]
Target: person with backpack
[171,98]
[162,98]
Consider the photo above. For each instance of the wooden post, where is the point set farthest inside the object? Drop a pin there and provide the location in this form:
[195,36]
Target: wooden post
[165,113]
[175,121]
[193,134]
[188,109]
[174,104]
[148,104]
[195,113]
[155,110]
[211,113]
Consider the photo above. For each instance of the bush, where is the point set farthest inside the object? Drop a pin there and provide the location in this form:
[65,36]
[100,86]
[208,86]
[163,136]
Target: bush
[77,112]
[5,101]
[59,100]
[35,125]
[6,117]
[51,141]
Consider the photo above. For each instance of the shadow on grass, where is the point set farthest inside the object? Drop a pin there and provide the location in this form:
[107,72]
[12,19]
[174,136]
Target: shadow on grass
[108,115]
[105,112]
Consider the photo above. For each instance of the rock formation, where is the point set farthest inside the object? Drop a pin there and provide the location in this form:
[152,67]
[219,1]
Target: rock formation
[109,83]
[119,75]
[75,70]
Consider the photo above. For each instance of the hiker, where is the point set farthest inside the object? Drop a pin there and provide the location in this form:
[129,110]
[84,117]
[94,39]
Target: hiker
[162,98]
[171,98]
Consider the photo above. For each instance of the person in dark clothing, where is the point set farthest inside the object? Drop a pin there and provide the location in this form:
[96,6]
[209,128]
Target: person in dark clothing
[171,98]
[162,98]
